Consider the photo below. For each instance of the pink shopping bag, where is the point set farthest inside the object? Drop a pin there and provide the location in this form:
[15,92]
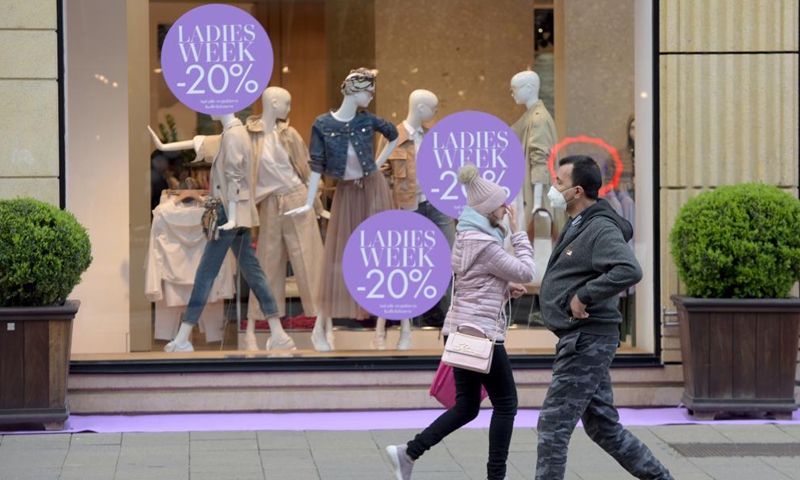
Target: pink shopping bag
[443,387]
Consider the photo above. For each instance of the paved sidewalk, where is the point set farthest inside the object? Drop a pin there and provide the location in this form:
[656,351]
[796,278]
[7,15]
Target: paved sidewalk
[358,455]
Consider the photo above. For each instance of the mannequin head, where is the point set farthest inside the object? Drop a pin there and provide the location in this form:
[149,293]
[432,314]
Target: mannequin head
[525,87]
[360,86]
[277,102]
[422,105]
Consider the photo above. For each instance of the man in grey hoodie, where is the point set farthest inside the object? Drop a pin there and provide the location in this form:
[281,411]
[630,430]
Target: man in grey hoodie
[590,265]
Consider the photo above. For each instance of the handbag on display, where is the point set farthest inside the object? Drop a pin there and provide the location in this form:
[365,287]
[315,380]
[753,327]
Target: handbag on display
[542,243]
[443,387]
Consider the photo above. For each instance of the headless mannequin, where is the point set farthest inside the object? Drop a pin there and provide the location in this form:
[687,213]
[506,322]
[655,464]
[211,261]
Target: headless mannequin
[186,329]
[323,328]
[525,90]
[422,107]
[276,103]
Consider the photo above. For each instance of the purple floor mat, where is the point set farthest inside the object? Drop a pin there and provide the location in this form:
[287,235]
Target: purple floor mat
[383,420]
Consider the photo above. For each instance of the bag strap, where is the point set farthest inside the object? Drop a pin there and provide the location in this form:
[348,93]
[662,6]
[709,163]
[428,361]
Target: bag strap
[553,231]
[502,317]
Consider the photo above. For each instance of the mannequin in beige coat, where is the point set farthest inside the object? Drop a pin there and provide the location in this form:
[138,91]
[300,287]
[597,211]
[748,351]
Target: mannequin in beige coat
[233,182]
[537,133]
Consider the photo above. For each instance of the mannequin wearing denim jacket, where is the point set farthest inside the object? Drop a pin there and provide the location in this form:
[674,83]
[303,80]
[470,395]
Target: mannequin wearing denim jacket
[333,135]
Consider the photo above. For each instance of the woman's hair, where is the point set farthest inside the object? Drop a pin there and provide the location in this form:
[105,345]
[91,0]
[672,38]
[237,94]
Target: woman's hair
[358,80]
[497,224]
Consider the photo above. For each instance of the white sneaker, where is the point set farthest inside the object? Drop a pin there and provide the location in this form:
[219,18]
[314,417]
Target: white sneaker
[379,342]
[285,343]
[405,341]
[321,344]
[178,347]
[250,342]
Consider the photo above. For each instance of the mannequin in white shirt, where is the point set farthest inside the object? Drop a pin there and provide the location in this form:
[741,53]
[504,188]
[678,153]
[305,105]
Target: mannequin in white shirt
[196,144]
[298,234]
[422,107]
[351,103]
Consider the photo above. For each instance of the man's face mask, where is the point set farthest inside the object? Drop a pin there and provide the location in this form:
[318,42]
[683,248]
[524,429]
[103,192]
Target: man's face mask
[557,200]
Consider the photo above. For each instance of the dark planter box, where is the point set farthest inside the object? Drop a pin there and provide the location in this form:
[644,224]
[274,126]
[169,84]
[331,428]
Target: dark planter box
[739,356]
[34,363]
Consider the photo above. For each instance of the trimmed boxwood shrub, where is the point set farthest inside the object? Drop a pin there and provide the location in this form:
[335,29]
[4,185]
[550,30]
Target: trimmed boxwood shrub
[43,253]
[740,241]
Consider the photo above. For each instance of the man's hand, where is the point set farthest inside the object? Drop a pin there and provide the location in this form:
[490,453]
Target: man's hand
[516,290]
[578,308]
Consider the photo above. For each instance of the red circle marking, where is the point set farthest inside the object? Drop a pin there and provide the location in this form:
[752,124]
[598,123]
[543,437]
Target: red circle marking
[594,141]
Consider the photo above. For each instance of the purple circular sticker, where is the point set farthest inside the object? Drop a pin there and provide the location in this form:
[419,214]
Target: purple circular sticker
[217,59]
[397,264]
[468,137]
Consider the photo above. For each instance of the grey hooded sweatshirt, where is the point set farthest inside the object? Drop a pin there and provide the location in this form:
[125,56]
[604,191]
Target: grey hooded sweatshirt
[591,258]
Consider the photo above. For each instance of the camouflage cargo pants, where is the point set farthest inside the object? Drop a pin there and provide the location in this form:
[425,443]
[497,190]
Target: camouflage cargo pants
[581,389]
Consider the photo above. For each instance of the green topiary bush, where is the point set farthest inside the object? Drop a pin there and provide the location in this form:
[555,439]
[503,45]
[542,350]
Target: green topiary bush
[43,253]
[741,241]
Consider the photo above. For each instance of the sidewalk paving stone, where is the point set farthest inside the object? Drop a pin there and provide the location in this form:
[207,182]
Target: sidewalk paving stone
[360,455]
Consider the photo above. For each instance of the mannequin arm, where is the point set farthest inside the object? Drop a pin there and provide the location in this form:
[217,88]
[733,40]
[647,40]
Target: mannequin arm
[171,147]
[231,212]
[313,185]
[384,155]
[537,195]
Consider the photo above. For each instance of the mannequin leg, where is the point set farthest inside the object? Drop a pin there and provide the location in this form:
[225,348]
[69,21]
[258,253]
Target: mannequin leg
[329,332]
[250,335]
[243,249]
[319,336]
[182,338]
[210,263]
[404,343]
[379,342]
[278,338]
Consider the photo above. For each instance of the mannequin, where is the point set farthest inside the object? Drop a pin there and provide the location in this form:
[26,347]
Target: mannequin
[537,133]
[281,173]
[341,147]
[401,168]
[231,181]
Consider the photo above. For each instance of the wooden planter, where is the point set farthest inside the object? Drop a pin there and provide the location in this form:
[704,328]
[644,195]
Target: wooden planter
[34,364]
[739,356]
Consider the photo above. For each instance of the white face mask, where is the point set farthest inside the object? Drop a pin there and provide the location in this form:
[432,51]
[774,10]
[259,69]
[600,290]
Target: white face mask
[557,200]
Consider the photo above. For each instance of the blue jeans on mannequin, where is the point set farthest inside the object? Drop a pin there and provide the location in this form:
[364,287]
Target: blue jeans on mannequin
[240,241]
[435,316]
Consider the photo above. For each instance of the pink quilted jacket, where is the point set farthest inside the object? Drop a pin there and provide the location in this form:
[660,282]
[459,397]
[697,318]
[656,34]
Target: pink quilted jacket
[483,269]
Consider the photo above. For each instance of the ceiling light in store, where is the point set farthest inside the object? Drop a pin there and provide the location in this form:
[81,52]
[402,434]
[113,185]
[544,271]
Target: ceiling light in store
[644,94]
[115,84]
[541,30]
[156,70]
[461,93]
[415,70]
[285,69]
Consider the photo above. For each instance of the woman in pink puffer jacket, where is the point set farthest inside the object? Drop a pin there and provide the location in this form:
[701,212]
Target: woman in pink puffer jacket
[485,276]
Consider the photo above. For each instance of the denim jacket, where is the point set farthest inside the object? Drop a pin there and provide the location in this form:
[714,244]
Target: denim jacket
[329,139]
